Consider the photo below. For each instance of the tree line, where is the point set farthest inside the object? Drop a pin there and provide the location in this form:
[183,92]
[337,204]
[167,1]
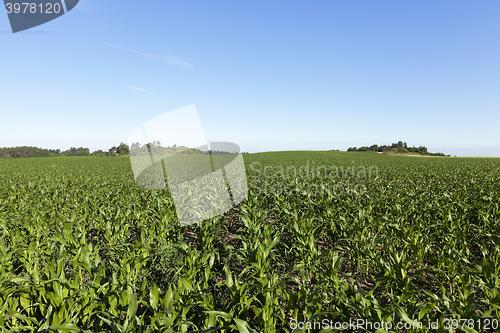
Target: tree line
[156,148]
[397,148]
[27,151]
[120,150]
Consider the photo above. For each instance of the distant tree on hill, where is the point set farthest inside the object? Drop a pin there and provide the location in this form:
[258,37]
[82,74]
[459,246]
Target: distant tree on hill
[123,149]
[112,151]
[396,148]
[137,149]
[73,151]
[25,151]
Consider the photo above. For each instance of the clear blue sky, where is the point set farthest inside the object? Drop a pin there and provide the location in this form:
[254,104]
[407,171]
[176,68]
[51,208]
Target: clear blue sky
[267,75]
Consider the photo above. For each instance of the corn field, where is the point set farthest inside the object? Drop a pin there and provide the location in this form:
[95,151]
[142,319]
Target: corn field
[321,237]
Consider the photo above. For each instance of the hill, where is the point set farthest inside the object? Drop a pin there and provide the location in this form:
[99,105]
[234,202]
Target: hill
[397,148]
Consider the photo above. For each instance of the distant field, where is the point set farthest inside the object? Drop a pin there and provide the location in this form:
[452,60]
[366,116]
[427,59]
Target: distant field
[324,237]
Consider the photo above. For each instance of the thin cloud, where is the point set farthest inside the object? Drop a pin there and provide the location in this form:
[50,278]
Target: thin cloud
[176,61]
[139,89]
[167,59]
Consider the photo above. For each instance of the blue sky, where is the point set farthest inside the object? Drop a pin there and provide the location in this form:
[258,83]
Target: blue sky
[267,75]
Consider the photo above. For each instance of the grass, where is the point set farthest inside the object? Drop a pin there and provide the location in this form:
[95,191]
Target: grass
[356,236]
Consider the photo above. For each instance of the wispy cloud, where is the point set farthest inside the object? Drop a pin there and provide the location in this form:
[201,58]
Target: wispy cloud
[176,61]
[138,89]
[167,59]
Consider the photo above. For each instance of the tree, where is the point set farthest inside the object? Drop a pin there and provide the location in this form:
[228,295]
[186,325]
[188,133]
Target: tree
[400,147]
[26,152]
[111,151]
[124,149]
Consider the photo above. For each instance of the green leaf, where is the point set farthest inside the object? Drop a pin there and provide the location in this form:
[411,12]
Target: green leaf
[19,280]
[431,294]
[404,315]
[67,327]
[154,296]
[132,306]
[242,326]
[186,283]
[406,296]
[424,310]
[86,260]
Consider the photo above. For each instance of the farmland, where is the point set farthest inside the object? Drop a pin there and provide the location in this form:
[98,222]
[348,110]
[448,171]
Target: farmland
[322,236]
